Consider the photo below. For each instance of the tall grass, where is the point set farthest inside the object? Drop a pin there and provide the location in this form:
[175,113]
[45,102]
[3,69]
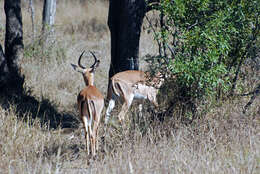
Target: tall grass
[225,142]
[222,141]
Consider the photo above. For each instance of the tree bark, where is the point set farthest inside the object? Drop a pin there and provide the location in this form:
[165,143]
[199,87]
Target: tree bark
[125,20]
[14,40]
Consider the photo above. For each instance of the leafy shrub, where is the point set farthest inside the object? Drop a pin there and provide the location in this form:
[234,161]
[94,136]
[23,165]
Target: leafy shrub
[209,42]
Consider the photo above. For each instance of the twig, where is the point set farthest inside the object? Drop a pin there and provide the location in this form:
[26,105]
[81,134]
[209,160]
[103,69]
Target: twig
[193,25]
[256,93]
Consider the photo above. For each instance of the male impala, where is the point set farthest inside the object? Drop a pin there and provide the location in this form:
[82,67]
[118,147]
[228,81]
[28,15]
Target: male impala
[90,104]
[129,85]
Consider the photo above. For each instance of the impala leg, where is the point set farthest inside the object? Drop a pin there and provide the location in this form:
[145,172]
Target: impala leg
[91,141]
[93,149]
[153,98]
[140,114]
[91,137]
[97,125]
[125,107]
[85,123]
[95,130]
[95,135]
[122,113]
[110,107]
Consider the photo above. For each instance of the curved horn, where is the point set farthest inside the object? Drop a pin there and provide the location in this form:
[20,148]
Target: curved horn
[81,66]
[94,58]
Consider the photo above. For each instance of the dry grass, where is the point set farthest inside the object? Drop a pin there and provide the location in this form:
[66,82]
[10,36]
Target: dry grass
[224,141]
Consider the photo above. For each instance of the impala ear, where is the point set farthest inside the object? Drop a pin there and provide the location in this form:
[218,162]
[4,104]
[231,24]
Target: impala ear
[74,66]
[77,68]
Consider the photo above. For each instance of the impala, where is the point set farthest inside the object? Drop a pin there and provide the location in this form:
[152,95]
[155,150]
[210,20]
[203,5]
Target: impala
[90,104]
[130,85]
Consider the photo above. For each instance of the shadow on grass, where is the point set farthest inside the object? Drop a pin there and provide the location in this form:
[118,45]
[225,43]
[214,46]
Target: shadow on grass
[44,110]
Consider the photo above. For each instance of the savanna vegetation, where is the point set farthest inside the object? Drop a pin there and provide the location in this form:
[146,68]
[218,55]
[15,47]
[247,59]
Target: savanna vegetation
[209,52]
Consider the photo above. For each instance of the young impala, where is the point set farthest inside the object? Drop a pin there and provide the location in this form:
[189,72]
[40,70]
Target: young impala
[130,85]
[90,104]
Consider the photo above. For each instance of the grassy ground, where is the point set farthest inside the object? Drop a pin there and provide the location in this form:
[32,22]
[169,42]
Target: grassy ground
[31,140]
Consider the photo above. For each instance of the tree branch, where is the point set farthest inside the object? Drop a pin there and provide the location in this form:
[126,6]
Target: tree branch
[256,93]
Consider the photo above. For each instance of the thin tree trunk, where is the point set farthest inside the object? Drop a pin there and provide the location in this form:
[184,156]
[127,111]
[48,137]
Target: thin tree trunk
[48,19]
[14,40]
[31,7]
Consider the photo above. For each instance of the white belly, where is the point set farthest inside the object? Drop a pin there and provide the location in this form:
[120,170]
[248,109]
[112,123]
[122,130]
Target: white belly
[140,96]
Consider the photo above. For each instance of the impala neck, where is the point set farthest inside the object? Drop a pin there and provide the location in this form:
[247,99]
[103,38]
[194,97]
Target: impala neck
[89,80]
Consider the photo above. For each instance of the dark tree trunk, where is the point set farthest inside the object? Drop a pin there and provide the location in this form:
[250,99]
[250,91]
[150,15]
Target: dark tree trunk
[125,20]
[3,68]
[14,40]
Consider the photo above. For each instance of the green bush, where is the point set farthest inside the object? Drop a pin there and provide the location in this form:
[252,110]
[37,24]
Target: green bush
[210,41]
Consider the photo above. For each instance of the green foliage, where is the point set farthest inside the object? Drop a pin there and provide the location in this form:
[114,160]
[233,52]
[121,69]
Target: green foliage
[210,41]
